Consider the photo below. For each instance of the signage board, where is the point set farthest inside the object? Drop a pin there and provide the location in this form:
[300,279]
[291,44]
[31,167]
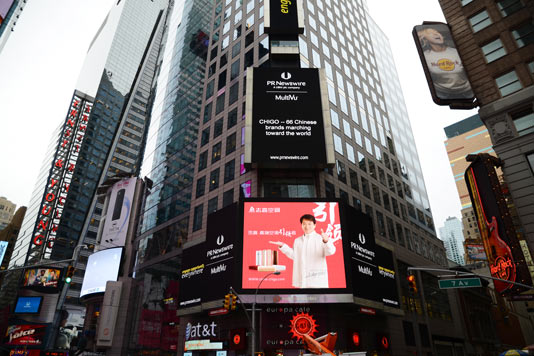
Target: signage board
[102,266]
[476,252]
[28,305]
[284,17]
[287,118]
[495,224]
[25,335]
[459,283]
[302,240]
[210,263]
[41,278]
[202,345]
[118,214]
[444,71]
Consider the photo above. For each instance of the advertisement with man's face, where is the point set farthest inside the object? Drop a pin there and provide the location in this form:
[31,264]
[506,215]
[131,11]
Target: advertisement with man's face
[41,277]
[301,240]
[443,67]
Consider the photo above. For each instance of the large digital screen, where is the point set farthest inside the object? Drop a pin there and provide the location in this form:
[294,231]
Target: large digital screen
[287,118]
[302,240]
[102,266]
[28,305]
[441,62]
[41,277]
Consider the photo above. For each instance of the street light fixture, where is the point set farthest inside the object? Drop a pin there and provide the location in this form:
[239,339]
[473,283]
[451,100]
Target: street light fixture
[254,312]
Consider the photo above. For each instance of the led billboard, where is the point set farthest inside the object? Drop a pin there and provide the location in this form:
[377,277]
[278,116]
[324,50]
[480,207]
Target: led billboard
[28,305]
[118,214]
[443,67]
[102,266]
[302,240]
[25,335]
[41,277]
[284,17]
[287,118]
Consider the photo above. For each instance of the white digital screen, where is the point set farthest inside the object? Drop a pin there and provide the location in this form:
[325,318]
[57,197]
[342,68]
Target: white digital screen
[102,266]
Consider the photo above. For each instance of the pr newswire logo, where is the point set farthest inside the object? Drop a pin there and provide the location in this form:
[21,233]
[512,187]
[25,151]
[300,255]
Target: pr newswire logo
[286,75]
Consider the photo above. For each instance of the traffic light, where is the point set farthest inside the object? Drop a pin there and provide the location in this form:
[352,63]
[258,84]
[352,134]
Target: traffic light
[69,274]
[226,304]
[233,299]
[411,283]
[356,339]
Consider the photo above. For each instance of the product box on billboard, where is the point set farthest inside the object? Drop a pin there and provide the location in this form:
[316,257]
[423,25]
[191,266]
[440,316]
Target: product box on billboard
[287,119]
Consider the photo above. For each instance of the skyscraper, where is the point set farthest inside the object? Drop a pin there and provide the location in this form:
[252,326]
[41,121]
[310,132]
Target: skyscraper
[452,235]
[103,135]
[197,159]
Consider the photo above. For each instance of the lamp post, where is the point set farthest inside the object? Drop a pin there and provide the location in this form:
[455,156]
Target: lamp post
[254,312]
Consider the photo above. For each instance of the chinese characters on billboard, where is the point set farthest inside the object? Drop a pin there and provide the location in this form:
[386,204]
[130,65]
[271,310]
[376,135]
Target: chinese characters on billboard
[441,62]
[302,240]
[60,177]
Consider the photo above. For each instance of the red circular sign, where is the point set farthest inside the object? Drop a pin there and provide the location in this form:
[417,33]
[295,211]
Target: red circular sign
[385,342]
[237,339]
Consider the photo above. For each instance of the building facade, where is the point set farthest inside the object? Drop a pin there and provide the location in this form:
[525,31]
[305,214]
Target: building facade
[7,210]
[195,157]
[453,237]
[495,42]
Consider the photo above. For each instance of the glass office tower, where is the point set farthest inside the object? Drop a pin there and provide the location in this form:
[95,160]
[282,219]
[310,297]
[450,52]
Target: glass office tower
[116,79]
[196,158]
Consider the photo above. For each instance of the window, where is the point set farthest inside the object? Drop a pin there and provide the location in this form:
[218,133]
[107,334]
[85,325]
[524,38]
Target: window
[508,83]
[229,171]
[205,138]
[202,160]
[234,72]
[207,112]
[508,7]
[236,49]
[228,197]
[219,104]
[214,179]
[354,180]
[330,191]
[201,186]
[530,159]
[234,93]
[376,195]
[197,218]
[341,172]
[216,152]
[365,188]
[230,143]
[217,128]
[524,122]
[465,2]
[524,35]
[493,50]
[480,21]
[212,205]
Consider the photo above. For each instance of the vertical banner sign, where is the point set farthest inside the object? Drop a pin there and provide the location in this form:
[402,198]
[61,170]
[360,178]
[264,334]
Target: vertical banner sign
[60,177]
[284,17]
[118,215]
[287,118]
[441,62]
[498,234]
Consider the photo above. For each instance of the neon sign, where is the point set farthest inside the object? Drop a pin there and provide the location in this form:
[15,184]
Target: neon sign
[60,177]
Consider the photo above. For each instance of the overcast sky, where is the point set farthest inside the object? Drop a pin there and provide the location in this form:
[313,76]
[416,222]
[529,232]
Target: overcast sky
[41,61]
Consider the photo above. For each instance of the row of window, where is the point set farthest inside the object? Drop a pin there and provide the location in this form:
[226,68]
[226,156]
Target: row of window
[482,19]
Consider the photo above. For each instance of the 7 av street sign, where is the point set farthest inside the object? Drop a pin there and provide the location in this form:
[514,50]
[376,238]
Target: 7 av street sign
[459,283]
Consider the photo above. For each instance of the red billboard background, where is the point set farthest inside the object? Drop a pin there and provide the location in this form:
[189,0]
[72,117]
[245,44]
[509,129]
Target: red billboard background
[280,221]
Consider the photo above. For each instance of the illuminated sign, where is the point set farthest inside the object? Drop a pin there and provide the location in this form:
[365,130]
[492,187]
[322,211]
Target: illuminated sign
[28,305]
[496,227]
[287,118]
[41,277]
[476,252]
[284,17]
[443,67]
[301,239]
[202,345]
[60,177]
[29,335]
